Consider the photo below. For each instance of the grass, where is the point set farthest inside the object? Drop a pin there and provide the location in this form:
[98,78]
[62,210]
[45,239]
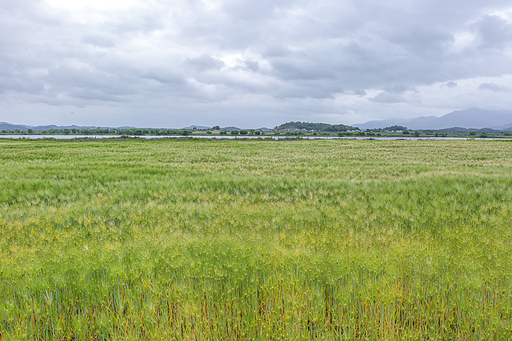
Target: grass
[255,240]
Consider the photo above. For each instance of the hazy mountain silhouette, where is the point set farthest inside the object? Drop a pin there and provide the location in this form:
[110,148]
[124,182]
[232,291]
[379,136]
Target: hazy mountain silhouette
[469,118]
[9,126]
[473,118]
[198,127]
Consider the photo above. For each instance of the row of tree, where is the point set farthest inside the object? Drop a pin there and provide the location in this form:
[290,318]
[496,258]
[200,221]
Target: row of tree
[100,131]
[128,132]
[290,129]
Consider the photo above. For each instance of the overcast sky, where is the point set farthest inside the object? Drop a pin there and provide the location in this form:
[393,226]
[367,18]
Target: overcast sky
[157,63]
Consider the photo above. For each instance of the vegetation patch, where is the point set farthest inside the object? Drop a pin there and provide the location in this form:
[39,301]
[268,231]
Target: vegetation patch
[255,240]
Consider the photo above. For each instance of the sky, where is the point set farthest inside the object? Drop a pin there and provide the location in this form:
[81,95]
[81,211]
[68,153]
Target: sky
[246,63]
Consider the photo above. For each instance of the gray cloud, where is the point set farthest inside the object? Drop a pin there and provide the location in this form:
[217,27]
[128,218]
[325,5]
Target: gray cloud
[400,89]
[495,31]
[493,87]
[280,56]
[252,65]
[386,97]
[394,94]
[204,62]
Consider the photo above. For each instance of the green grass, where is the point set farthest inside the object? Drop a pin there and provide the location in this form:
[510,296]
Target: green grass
[255,240]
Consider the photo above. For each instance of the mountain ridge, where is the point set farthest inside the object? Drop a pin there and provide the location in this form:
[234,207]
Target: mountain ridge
[11,126]
[472,118]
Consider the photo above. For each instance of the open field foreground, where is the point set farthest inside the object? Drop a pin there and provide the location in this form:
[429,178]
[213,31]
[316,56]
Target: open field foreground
[256,240]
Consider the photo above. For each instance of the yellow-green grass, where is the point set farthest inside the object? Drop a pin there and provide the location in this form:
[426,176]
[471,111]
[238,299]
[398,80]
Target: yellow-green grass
[255,240]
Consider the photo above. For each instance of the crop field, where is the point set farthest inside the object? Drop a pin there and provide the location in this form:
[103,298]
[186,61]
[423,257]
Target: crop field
[255,240]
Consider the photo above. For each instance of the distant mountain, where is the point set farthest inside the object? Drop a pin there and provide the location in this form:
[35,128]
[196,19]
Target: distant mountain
[429,122]
[48,127]
[505,127]
[197,127]
[230,128]
[470,118]
[9,126]
[468,130]
[307,126]
[378,124]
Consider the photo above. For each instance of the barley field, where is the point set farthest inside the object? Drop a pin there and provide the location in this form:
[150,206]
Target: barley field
[255,240]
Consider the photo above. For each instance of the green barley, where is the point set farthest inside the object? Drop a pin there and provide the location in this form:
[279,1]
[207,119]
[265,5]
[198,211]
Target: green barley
[255,240]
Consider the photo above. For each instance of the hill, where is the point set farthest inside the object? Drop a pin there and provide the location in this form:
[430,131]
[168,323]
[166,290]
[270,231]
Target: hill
[307,126]
[9,126]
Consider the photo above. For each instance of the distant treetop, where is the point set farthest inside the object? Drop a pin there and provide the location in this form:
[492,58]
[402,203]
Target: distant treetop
[306,126]
[395,128]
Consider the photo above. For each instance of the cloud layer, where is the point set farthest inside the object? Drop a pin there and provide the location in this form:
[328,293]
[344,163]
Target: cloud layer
[160,63]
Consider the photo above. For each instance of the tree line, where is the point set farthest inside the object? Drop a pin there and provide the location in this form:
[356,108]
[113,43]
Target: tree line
[99,131]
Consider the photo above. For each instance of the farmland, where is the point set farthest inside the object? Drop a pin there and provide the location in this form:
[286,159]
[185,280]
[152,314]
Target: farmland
[255,240]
